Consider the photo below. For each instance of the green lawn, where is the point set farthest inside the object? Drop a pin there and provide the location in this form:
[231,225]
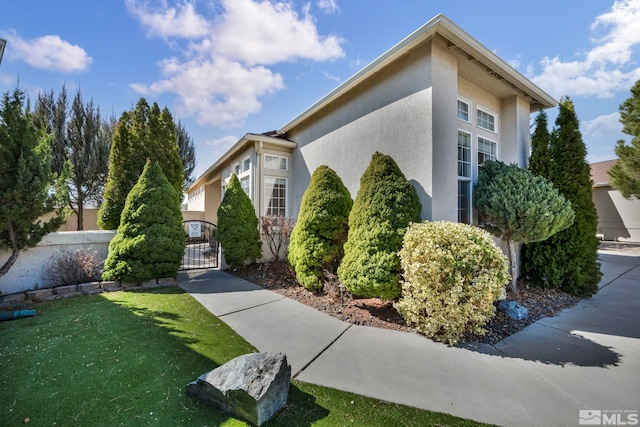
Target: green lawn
[124,358]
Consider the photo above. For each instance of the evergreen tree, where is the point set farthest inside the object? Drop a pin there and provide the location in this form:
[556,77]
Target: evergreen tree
[150,241]
[25,181]
[187,151]
[540,160]
[322,226]
[238,232]
[80,137]
[625,174]
[568,259]
[143,133]
[519,207]
[385,205]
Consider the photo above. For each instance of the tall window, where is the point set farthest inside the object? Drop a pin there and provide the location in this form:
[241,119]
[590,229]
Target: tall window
[246,163]
[487,150]
[463,110]
[464,177]
[244,182]
[275,196]
[486,120]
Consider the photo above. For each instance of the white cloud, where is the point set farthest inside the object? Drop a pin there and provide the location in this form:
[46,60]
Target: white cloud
[223,143]
[224,71]
[328,6]
[165,22]
[47,52]
[605,69]
[267,33]
[602,126]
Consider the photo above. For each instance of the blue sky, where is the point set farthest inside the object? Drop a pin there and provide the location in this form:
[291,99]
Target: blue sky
[228,67]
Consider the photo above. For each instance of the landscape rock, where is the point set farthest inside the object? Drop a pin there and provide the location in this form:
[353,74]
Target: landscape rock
[253,386]
[513,309]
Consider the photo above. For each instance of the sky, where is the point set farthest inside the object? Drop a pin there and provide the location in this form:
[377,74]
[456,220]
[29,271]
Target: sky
[229,67]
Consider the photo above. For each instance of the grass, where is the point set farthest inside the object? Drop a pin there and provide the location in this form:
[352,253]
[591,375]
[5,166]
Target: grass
[124,358]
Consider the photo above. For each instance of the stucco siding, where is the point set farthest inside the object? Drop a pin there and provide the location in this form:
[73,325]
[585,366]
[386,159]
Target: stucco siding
[618,218]
[390,113]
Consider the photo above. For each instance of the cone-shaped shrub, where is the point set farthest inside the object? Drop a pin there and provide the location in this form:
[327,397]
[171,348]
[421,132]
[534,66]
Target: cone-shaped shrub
[238,232]
[569,259]
[321,229]
[452,275]
[385,205]
[519,207]
[150,240]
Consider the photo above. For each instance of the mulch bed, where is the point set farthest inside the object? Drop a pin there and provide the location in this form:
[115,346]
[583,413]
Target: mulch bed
[337,302]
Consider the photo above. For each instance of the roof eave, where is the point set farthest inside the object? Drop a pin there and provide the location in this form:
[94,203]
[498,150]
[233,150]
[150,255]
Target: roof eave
[242,142]
[442,25]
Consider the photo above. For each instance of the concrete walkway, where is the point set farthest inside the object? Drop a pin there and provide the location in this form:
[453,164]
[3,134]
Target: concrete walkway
[586,358]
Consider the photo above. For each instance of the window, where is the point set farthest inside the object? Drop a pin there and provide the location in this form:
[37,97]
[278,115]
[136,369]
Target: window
[236,169]
[464,154]
[463,110]
[244,182]
[246,163]
[275,196]
[487,150]
[486,120]
[464,201]
[276,162]
[464,177]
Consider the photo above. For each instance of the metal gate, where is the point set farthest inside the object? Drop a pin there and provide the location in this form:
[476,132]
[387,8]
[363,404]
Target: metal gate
[202,246]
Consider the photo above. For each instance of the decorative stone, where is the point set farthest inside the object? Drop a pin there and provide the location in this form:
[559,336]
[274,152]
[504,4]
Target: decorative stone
[253,386]
[40,294]
[513,309]
[62,290]
[90,288]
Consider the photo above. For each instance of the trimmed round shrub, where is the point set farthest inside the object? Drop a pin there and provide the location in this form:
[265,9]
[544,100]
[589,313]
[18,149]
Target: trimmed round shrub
[453,273]
[150,240]
[321,229]
[238,231]
[385,205]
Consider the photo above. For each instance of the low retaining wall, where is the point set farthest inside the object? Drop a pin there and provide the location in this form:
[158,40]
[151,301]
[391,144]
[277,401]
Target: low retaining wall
[26,273]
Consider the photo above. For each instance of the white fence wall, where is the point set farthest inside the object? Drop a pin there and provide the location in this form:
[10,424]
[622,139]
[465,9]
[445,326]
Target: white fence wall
[26,273]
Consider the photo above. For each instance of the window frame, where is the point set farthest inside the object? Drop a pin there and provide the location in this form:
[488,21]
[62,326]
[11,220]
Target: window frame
[268,196]
[465,179]
[481,109]
[468,104]
[276,156]
[495,157]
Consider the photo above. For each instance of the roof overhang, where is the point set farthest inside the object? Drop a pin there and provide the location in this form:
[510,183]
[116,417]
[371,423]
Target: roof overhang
[246,141]
[457,38]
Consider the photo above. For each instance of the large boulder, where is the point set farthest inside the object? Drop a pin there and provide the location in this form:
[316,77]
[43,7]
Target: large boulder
[253,386]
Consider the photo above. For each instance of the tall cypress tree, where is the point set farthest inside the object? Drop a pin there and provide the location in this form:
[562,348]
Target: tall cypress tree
[540,160]
[568,259]
[146,133]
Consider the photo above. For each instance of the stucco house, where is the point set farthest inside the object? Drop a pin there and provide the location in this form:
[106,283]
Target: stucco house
[618,218]
[439,102]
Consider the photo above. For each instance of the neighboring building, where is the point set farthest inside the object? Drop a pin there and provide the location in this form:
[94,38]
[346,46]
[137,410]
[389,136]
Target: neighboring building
[438,102]
[618,218]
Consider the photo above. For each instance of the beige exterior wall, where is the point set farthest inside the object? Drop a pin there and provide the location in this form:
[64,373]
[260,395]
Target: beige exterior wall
[618,218]
[26,273]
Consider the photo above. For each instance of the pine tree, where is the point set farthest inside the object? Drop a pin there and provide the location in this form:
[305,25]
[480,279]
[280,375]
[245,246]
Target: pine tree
[568,259]
[519,207]
[385,205]
[25,181]
[625,174]
[238,231]
[146,133]
[540,160]
[150,241]
[187,151]
[321,229]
